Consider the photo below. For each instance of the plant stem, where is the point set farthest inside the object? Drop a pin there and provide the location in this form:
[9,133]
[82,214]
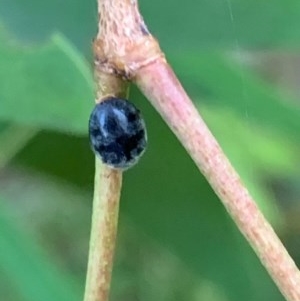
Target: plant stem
[125,48]
[159,83]
[103,235]
[107,190]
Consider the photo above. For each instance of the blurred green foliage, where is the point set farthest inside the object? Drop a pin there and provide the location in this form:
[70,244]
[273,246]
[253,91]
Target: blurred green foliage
[176,241]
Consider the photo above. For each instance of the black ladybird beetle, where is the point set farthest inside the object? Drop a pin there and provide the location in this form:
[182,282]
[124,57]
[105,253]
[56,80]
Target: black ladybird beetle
[117,133]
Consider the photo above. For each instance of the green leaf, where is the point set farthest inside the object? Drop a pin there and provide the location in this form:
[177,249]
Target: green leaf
[195,24]
[218,24]
[38,20]
[29,269]
[221,82]
[272,156]
[48,86]
[12,140]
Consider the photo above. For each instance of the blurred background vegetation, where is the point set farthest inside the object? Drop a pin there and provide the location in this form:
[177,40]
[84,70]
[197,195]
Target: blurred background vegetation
[239,61]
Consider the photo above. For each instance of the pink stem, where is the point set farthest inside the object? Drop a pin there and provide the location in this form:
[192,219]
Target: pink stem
[160,85]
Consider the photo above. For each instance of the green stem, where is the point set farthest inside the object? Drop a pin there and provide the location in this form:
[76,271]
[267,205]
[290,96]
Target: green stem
[103,233]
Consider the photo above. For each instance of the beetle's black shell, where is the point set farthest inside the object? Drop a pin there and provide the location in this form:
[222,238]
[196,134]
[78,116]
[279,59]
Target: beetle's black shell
[117,132]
